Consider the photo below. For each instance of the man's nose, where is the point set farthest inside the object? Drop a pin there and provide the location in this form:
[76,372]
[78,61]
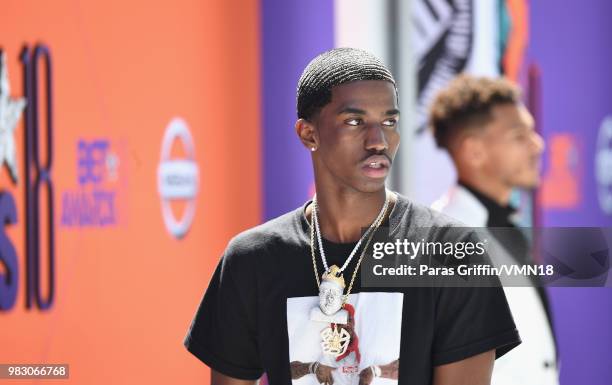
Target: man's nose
[537,142]
[375,138]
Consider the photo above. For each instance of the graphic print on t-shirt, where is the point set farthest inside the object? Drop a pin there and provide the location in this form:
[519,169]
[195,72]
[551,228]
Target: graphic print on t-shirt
[374,326]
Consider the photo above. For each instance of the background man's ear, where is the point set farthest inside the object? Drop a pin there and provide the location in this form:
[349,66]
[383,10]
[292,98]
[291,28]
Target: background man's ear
[307,133]
[473,151]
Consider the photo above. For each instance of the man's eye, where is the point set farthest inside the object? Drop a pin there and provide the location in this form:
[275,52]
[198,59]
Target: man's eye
[390,122]
[520,137]
[353,122]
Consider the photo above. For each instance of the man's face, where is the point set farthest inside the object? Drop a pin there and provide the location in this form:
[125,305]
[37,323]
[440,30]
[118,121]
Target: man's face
[358,135]
[512,147]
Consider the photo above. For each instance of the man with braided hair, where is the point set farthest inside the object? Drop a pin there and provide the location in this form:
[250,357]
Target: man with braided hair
[286,298]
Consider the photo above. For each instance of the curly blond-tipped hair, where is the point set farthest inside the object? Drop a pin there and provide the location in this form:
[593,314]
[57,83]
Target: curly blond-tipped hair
[466,103]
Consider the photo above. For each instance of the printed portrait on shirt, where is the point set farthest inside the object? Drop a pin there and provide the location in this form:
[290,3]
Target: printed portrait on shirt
[370,341]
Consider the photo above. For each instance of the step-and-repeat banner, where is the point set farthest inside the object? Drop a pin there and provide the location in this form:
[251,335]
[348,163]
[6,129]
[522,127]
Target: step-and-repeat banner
[569,47]
[129,150]
[137,138]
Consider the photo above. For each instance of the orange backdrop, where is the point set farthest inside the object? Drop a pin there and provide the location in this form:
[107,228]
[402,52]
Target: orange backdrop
[122,70]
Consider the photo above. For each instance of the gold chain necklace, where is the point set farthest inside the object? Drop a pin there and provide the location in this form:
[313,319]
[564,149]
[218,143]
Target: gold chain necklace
[314,259]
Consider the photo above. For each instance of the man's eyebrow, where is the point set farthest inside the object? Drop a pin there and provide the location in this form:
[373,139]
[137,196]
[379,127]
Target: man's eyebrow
[394,111]
[351,110]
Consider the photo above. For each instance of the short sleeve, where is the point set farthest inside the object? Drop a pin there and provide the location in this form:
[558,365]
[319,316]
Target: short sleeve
[470,321]
[222,333]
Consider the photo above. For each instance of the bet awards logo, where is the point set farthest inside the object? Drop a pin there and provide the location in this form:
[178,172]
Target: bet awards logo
[603,165]
[93,203]
[178,178]
[37,182]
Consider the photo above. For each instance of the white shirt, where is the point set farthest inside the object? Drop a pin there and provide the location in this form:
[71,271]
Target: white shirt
[533,361]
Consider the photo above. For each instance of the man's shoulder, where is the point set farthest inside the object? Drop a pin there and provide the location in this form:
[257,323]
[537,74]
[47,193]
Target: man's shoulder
[421,222]
[261,238]
[417,215]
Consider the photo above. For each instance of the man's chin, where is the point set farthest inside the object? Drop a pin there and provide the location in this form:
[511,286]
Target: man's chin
[528,184]
[370,187]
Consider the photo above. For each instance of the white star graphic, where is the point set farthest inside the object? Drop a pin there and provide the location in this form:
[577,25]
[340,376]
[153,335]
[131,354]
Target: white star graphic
[10,111]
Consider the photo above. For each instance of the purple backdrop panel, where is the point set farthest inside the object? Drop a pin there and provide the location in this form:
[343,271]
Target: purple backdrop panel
[293,33]
[571,44]
[583,325]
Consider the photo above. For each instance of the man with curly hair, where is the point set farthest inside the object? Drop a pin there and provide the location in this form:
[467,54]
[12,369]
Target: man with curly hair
[490,137]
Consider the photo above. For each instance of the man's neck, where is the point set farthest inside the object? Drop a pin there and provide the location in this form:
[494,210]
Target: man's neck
[494,190]
[343,214]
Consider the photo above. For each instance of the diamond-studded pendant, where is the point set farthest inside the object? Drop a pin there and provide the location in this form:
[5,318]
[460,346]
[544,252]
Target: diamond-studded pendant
[331,291]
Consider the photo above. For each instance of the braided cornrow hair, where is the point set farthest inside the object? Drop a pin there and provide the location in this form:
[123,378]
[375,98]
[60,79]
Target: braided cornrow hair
[332,68]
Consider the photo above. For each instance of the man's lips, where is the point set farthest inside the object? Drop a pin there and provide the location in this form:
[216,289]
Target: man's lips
[376,161]
[376,166]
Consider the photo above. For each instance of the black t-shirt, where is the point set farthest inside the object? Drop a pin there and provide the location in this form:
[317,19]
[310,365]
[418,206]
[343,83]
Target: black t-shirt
[254,316]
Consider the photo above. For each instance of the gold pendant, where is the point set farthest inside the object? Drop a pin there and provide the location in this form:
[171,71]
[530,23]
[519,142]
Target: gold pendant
[335,340]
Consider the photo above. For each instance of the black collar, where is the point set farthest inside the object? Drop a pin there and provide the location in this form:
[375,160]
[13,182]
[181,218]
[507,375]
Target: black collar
[499,216]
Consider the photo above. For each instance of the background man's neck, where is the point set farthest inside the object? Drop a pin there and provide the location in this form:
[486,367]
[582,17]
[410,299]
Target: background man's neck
[494,190]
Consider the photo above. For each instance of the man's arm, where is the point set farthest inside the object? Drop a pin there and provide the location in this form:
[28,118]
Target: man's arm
[390,370]
[475,370]
[217,378]
[322,372]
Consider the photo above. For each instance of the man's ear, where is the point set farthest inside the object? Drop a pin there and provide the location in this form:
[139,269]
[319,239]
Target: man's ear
[473,151]
[307,133]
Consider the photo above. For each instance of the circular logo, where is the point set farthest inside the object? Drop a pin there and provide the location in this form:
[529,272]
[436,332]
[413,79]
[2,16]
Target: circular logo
[178,178]
[603,165]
